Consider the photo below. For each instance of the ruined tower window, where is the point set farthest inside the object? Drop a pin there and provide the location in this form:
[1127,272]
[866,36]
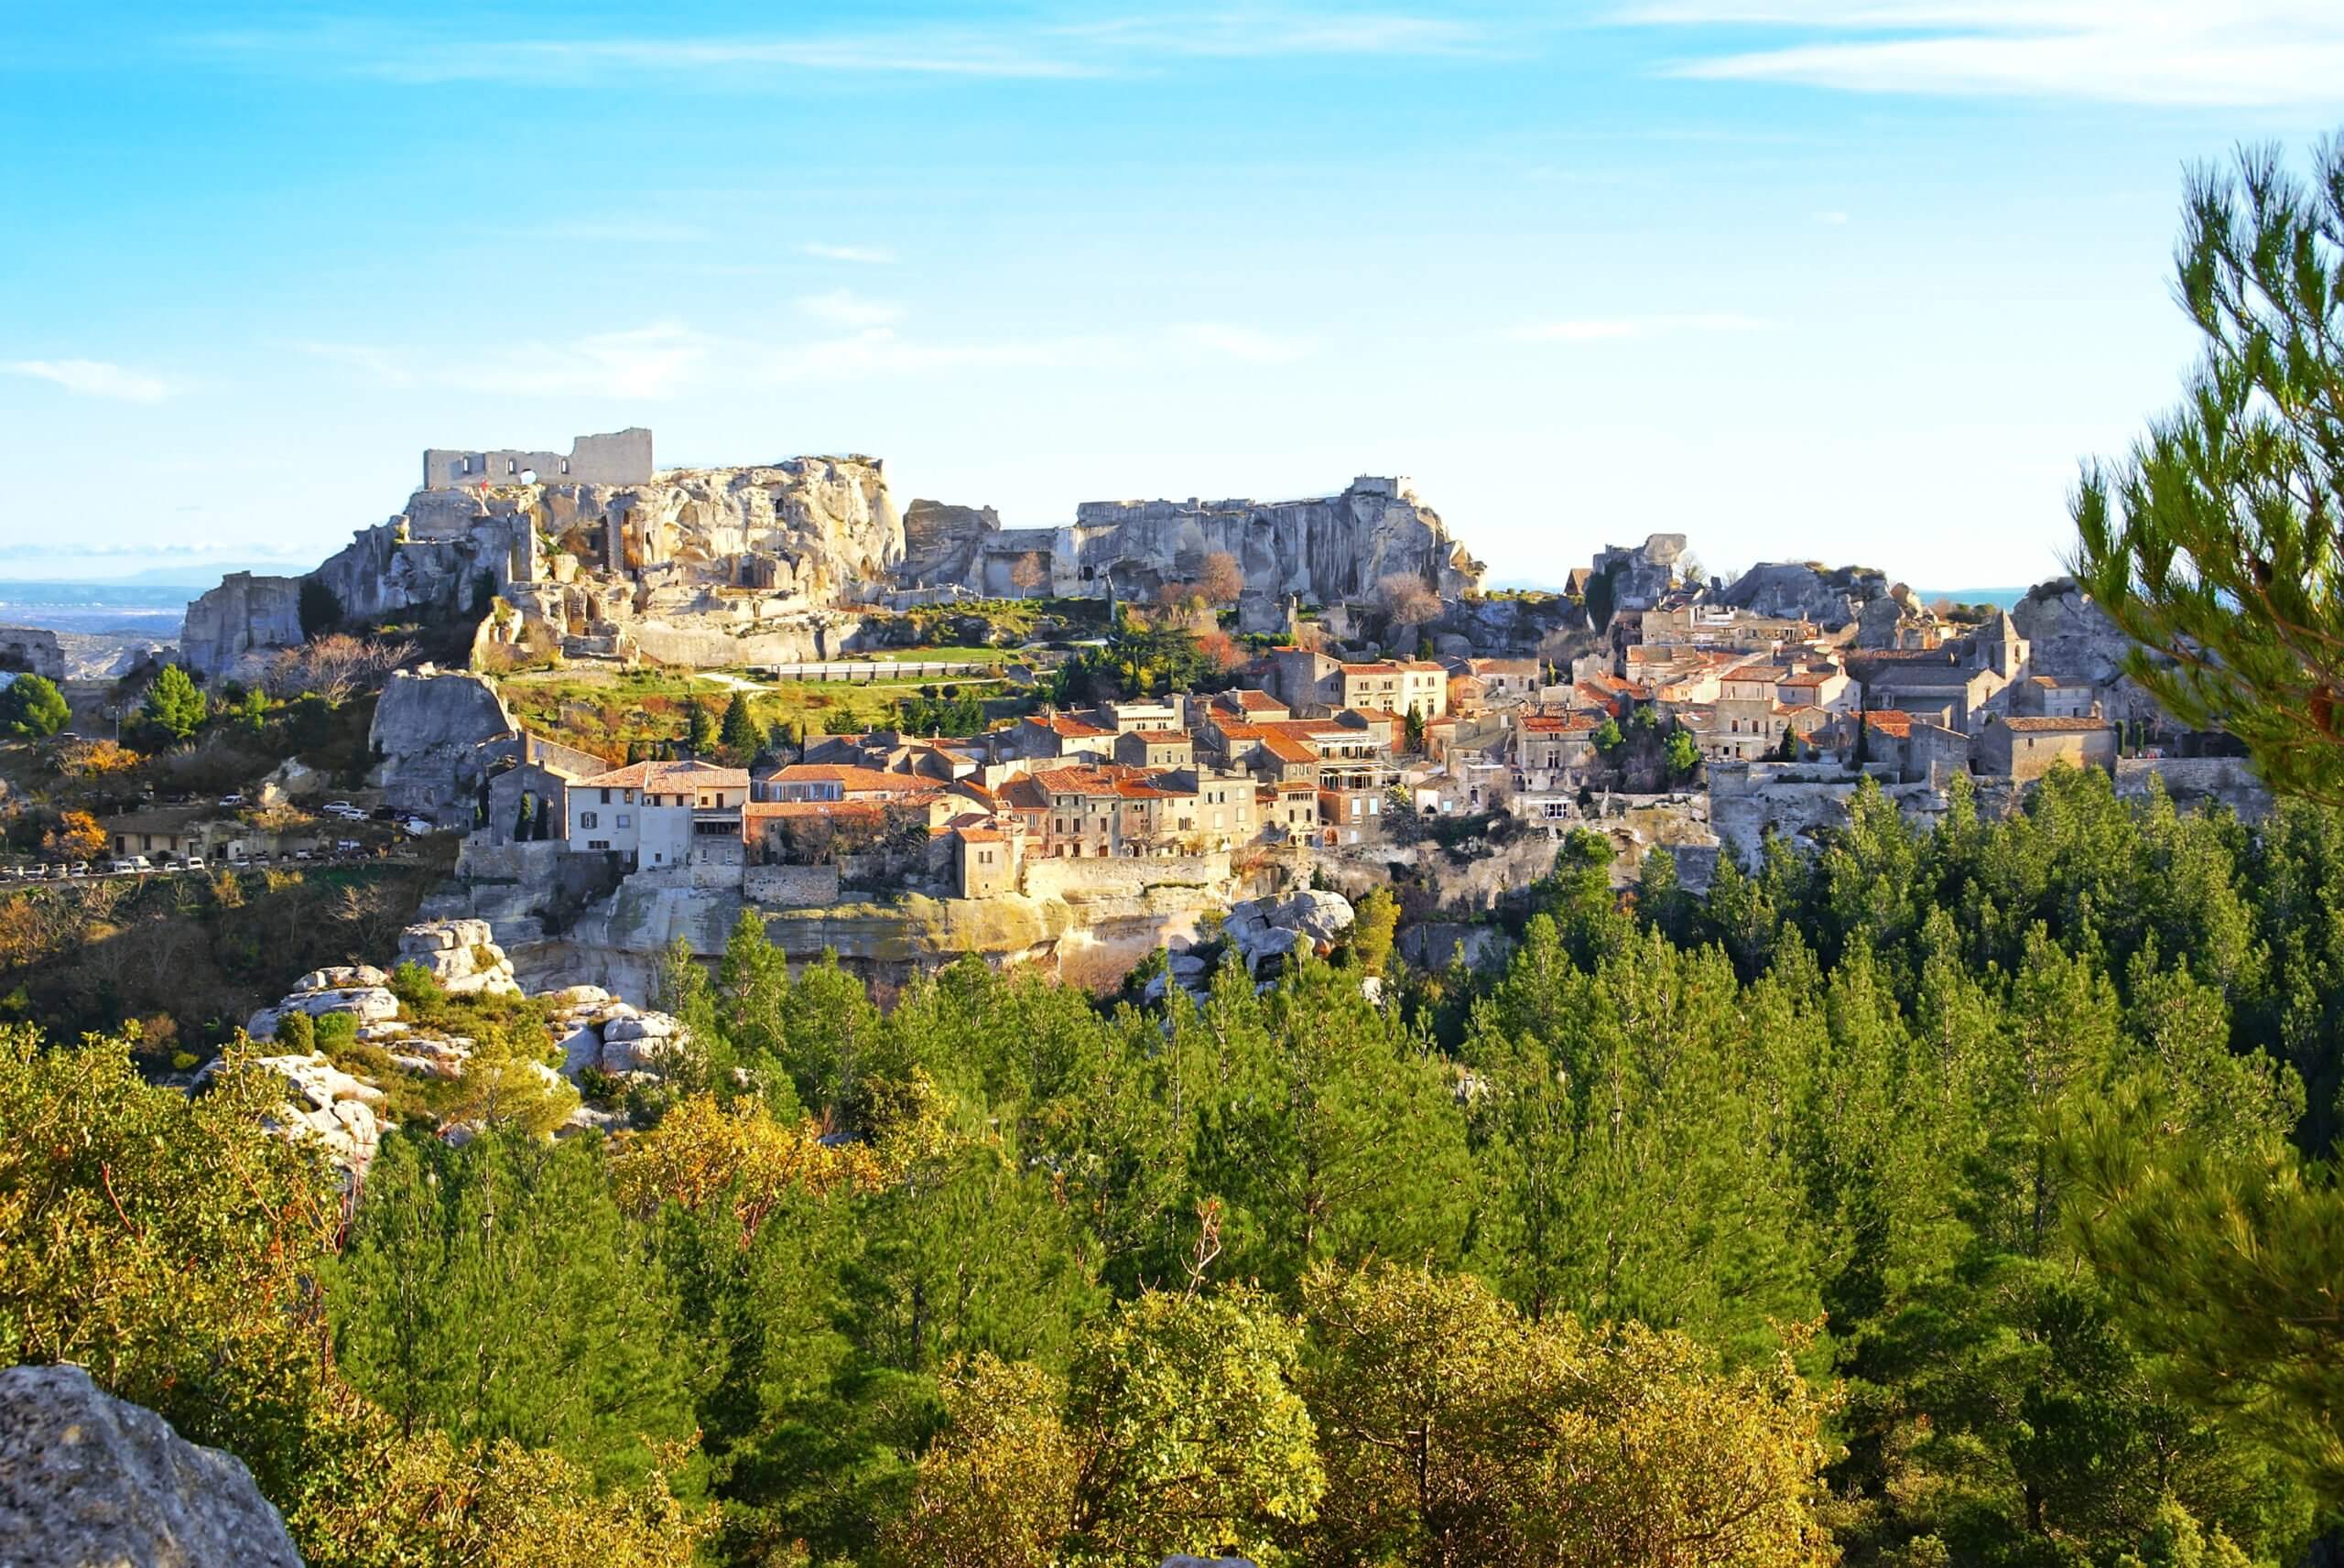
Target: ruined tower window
[565,465]
[512,465]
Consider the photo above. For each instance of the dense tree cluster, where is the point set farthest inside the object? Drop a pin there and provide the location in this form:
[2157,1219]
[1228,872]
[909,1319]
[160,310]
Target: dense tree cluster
[1817,1218]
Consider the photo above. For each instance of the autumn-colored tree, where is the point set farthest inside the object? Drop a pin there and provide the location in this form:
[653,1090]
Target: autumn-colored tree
[1455,1432]
[76,837]
[1028,573]
[998,1488]
[1223,579]
[1406,599]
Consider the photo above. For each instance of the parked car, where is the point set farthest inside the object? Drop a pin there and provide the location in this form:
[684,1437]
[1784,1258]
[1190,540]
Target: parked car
[193,863]
[346,847]
[232,800]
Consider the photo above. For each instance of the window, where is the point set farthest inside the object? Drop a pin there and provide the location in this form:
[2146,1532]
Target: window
[626,820]
[590,820]
[606,797]
[565,465]
[598,843]
[512,465]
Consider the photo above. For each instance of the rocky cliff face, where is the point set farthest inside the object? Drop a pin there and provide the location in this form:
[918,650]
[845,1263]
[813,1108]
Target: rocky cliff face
[86,1478]
[2069,636]
[942,543]
[1831,598]
[1327,549]
[437,733]
[231,630]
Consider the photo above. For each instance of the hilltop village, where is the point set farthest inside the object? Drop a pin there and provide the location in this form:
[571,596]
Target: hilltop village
[1091,741]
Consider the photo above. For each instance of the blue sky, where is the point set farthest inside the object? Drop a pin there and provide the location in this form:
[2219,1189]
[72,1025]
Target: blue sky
[1860,281]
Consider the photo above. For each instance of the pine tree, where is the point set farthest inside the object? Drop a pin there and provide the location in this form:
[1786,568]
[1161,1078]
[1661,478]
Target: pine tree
[495,1291]
[172,703]
[740,733]
[33,708]
[699,728]
[2216,542]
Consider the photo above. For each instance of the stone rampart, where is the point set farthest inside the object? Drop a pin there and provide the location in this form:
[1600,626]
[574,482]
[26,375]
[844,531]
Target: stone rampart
[1084,880]
[790,887]
[623,457]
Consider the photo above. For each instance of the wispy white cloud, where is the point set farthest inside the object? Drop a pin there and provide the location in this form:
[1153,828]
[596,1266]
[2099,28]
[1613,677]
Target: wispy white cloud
[671,359]
[1605,328]
[2240,53]
[862,255]
[1245,345]
[95,378]
[1031,51]
[375,366]
[845,307]
[650,364]
[195,549]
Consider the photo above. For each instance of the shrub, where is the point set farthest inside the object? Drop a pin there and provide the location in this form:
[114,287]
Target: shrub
[335,1030]
[297,1032]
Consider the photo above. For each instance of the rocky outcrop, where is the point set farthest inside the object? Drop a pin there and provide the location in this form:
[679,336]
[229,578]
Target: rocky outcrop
[234,629]
[91,1481]
[1328,549]
[1640,575]
[1264,928]
[942,543]
[461,955]
[32,649]
[438,733]
[2069,636]
[1831,598]
[324,1104]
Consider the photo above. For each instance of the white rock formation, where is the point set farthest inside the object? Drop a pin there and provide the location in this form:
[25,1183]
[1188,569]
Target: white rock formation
[461,956]
[325,1104]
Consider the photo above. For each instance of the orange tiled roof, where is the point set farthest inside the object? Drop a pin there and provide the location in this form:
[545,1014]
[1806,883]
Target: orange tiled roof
[2025,724]
[662,777]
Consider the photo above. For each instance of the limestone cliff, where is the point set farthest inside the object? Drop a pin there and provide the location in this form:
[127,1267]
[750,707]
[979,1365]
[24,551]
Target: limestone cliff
[1326,549]
[232,629]
[2071,638]
[437,736]
[942,543]
[1788,589]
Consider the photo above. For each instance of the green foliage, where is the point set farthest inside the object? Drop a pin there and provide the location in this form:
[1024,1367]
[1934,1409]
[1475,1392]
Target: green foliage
[494,1291]
[33,708]
[2216,542]
[1607,737]
[699,728]
[1684,755]
[172,703]
[740,732]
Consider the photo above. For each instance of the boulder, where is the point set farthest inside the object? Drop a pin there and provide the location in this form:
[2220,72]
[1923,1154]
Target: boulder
[373,1005]
[341,977]
[91,1481]
[1319,915]
[324,1103]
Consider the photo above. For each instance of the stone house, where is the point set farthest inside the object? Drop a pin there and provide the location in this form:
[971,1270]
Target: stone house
[660,814]
[985,861]
[1155,749]
[2021,747]
[2054,696]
